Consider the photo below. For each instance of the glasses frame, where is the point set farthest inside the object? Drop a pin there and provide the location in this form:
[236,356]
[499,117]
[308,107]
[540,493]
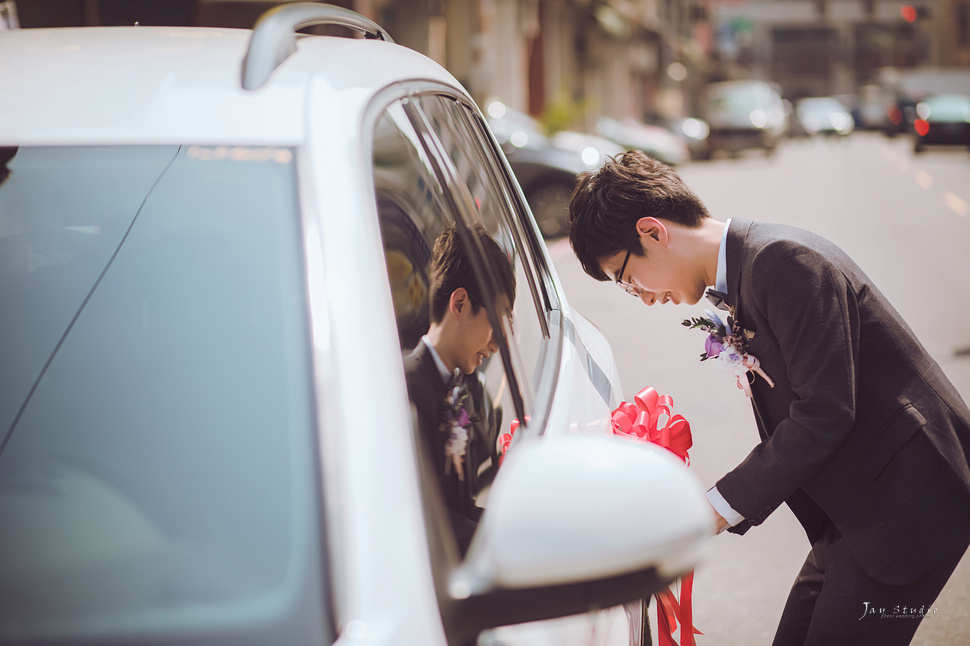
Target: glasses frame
[629,288]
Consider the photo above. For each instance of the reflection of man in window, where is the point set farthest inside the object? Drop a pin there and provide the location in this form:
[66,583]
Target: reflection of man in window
[458,340]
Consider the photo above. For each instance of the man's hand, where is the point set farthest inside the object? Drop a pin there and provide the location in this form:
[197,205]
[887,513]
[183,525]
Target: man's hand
[720,523]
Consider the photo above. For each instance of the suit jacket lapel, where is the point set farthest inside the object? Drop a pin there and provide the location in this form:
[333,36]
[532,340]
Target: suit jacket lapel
[429,389]
[737,257]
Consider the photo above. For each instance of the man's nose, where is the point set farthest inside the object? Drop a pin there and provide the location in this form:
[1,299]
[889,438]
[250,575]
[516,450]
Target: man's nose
[648,298]
[492,346]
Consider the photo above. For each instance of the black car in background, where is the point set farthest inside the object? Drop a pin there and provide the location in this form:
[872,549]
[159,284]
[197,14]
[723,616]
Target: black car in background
[942,119]
[545,167]
[900,114]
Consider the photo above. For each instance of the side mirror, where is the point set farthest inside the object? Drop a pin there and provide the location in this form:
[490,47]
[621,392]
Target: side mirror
[574,523]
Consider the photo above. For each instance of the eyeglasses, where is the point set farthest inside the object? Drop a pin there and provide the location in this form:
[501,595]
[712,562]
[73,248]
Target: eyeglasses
[629,288]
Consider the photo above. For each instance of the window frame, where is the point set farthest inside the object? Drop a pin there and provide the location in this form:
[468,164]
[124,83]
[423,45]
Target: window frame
[461,203]
[517,219]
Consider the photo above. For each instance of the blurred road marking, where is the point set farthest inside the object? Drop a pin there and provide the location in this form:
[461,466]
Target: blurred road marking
[923,179]
[956,203]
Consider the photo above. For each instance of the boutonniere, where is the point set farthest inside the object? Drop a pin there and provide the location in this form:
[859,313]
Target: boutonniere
[728,343]
[456,423]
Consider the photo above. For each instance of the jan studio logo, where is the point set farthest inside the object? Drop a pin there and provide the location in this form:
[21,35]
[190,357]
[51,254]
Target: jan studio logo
[896,612]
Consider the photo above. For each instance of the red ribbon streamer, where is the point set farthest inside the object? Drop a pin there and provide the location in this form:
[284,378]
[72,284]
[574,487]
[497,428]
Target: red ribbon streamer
[641,420]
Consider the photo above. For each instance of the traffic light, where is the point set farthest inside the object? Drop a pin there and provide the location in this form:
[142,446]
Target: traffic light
[912,13]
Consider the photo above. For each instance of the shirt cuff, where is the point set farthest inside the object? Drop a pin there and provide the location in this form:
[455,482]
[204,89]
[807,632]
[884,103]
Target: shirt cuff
[722,507]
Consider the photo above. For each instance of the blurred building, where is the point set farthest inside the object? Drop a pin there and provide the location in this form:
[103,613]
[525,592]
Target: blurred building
[573,61]
[828,47]
[568,61]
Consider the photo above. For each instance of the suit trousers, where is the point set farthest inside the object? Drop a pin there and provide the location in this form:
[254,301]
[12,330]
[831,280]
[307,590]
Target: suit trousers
[833,602]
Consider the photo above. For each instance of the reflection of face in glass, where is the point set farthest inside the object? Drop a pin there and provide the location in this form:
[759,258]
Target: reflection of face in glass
[478,341]
[461,326]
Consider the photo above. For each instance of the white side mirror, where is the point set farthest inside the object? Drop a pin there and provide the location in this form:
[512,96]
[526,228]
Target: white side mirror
[586,508]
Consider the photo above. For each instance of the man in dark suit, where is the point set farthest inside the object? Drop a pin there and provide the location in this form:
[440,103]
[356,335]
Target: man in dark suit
[441,370]
[862,435]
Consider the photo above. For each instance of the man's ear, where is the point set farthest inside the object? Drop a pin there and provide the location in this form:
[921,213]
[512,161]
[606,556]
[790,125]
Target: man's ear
[651,229]
[458,301]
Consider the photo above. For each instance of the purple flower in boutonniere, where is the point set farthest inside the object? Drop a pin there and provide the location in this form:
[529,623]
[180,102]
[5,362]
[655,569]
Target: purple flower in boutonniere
[456,422]
[712,346]
[727,342]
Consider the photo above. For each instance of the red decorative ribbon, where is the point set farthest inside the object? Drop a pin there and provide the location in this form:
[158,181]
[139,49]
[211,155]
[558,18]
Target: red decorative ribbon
[505,439]
[669,610]
[641,421]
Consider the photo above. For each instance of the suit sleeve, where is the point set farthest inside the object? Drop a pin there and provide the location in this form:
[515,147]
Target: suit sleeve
[813,314]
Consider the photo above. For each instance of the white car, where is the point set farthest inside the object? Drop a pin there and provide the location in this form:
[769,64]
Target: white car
[213,253]
[824,115]
[743,115]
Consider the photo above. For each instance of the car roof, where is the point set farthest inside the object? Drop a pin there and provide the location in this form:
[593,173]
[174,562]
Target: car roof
[107,85]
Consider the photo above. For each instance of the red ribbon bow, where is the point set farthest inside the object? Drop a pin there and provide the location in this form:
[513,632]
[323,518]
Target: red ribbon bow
[641,421]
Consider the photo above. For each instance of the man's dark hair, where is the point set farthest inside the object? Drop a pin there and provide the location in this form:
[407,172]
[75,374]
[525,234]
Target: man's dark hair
[607,203]
[451,268]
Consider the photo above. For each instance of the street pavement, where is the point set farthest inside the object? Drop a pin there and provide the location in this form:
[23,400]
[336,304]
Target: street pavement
[906,220]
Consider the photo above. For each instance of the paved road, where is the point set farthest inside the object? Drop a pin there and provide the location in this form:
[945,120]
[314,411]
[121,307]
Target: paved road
[906,221]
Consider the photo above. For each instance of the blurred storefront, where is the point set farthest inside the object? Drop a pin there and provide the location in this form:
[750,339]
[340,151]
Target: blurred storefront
[828,47]
[570,62]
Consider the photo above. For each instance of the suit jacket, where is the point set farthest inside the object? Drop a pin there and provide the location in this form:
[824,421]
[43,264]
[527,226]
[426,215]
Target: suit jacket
[862,429]
[428,391]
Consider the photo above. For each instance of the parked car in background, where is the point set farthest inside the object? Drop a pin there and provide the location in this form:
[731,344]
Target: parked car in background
[906,88]
[657,141]
[942,119]
[743,115]
[852,102]
[214,252]
[900,113]
[592,148]
[874,102]
[545,167]
[695,133]
[824,115]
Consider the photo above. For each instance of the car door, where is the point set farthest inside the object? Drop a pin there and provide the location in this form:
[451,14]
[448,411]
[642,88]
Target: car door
[436,166]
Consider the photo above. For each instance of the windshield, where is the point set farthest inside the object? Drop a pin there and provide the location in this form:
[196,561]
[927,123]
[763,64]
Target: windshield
[820,106]
[156,437]
[739,98]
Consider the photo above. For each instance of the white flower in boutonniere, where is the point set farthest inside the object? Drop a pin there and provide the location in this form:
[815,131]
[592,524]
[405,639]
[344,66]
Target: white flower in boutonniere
[456,423]
[727,342]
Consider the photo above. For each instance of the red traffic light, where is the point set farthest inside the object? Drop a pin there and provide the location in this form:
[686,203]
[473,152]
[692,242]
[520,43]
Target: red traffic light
[908,12]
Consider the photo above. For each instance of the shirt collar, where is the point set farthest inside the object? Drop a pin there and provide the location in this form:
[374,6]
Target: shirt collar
[446,375]
[720,283]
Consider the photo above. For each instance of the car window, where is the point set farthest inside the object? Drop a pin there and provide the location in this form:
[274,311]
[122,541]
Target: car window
[498,208]
[435,171]
[948,107]
[156,417]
